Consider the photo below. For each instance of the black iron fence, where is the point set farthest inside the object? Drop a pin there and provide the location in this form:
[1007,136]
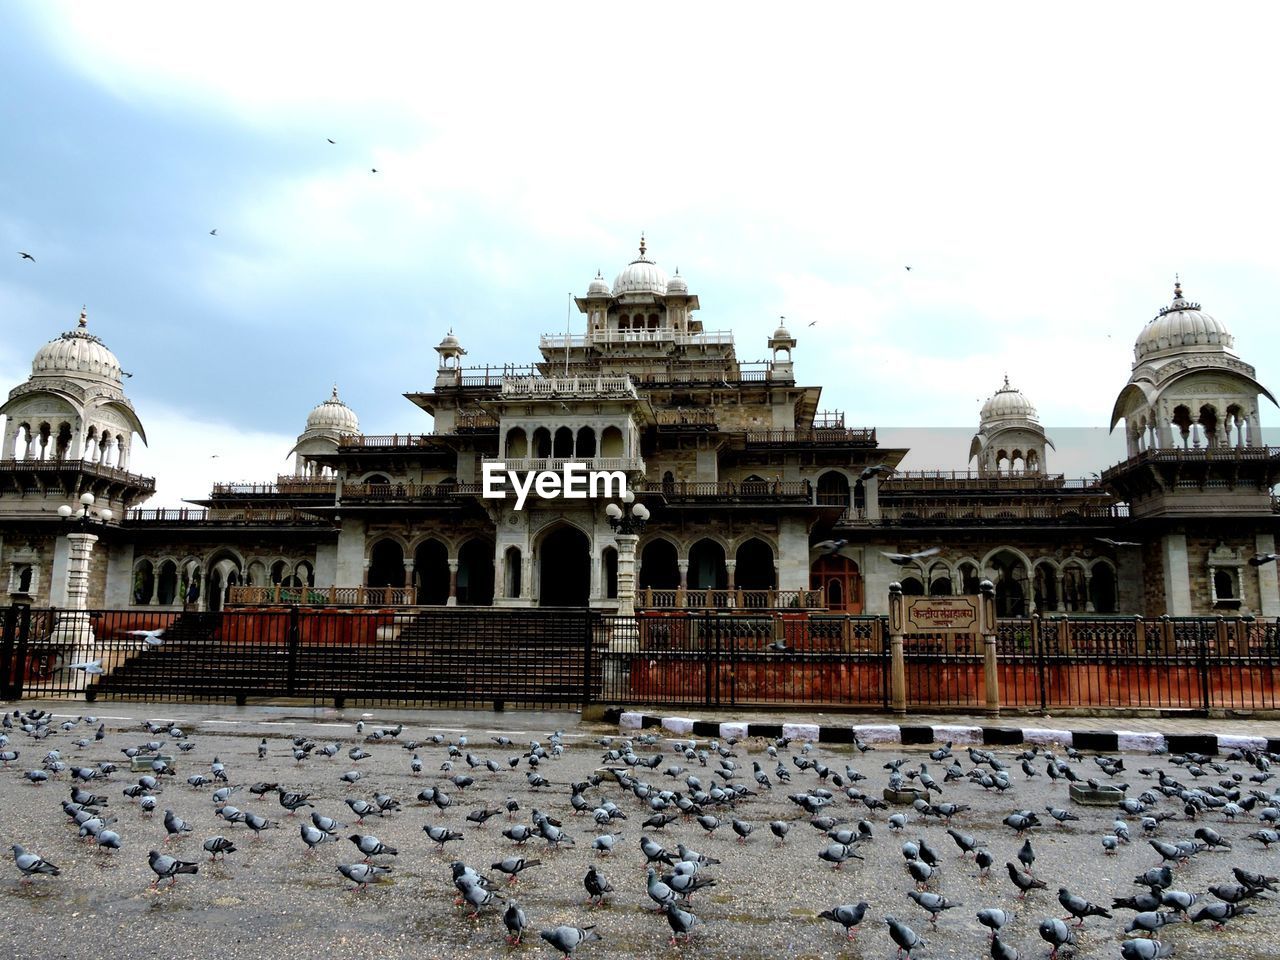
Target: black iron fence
[477,656]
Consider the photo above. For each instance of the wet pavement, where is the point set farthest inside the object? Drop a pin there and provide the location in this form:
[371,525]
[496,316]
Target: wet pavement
[270,899]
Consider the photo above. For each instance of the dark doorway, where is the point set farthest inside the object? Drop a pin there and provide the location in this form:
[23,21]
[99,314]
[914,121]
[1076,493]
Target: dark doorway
[564,569]
[754,569]
[431,573]
[475,573]
[658,567]
[386,564]
[707,570]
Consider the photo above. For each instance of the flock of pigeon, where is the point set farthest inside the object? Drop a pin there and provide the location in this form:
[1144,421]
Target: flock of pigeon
[1184,808]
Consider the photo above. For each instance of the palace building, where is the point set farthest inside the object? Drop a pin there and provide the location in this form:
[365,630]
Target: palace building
[739,467]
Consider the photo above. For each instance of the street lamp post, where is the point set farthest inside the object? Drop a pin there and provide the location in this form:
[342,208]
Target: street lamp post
[628,521]
[74,627]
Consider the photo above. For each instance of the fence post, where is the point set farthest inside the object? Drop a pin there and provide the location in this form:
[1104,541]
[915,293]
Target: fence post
[587,637]
[1202,658]
[6,650]
[1037,645]
[291,656]
[897,660]
[990,664]
[20,657]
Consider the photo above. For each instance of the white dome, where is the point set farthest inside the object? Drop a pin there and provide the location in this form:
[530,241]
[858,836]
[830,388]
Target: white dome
[333,415]
[1007,404]
[782,333]
[677,286]
[641,275]
[77,353]
[599,286]
[1181,324]
[450,342]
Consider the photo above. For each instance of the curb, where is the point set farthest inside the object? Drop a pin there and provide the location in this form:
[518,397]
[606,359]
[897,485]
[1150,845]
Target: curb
[1104,741]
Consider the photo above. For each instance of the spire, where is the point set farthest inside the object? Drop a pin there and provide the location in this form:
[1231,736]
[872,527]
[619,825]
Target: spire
[643,248]
[1177,287]
[84,317]
[335,394]
[1006,381]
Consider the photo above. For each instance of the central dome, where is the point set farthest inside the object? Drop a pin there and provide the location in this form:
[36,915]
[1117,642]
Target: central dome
[1008,403]
[77,353]
[641,275]
[1180,325]
[333,414]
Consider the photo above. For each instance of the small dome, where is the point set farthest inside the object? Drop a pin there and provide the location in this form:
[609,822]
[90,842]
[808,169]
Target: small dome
[782,333]
[77,353]
[333,415]
[1007,404]
[599,286]
[450,342]
[641,275]
[676,285]
[1181,324]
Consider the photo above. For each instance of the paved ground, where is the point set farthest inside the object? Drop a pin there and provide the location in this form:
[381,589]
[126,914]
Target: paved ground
[270,900]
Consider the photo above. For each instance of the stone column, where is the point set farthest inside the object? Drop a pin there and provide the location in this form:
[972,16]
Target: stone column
[627,573]
[990,664]
[74,628]
[1088,593]
[453,584]
[731,567]
[526,579]
[1268,581]
[1177,576]
[410,592]
[897,660]
[1058,578]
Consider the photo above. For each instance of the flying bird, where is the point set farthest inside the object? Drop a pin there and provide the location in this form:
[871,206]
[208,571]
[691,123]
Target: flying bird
[903,559]
[830,547]
[908,269]
[877,469]
[26,256]
[331,140]
[1258,559]
[373,170]
[813,323]
[213,232]
[1117,543]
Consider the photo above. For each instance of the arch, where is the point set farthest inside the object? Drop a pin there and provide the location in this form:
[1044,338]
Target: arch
[612,444]
[255,574]
[609,572]
[386,563]
[563,553]
[221,573]
[167,583]
[562,445]
[585,442]
[541,446]
[279,572]
[1010,569]
[431,573]
[1102,586]
[707,570]
[377,479]
[840,581]
[912,587]
[940,587]
[659,565]
[517,443]
[753,567]
[1224,584]
[144,582]
[513,572]
[833,489]
[305,573]
[970,575]
[1181,419]
[475,573]
[1208,421]
[1045,586]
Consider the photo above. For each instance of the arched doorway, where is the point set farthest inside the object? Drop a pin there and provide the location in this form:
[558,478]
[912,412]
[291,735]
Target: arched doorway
[1102,588]
[386,564]
[431,573]
[754,567]
[609,570]
[839,580]
[1010,575]
[564,568]
[659,569]
[707,570]
[833,489]
[475,573]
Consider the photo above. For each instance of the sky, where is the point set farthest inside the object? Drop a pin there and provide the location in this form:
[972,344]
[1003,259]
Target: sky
[1045,172]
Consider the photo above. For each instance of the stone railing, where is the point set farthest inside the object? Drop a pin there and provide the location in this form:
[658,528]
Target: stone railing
[962,513]
[85,466]
[322,596]
[818,435]
[732,490]
[686,599]
[554,341]
[695,417]
[407,491]
[220,515]
[523,464]
[572,387]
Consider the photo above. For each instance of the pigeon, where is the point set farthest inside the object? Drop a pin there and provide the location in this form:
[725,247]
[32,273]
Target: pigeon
[743,829]
[681,923]
[26,256]
[1027,856]
[1025,882]
[903,936]
[1002,951]
[1149,921]
[830,547]
[1219,913]
[659,892]
[514,920]
[993,918]
[174,825]
[371,846]
[567,939]
[165,866]
[1057,934]
[327,824]
[779,829]
[903,559]
[149,638]
[32,863]
[1259,880]
[1117,543]
[1258,559]
[314,836]
[848,915]
[932,903]
[1145,949]
[218,845]
[597,886]
[363,874]
[513,866]
[1079,907]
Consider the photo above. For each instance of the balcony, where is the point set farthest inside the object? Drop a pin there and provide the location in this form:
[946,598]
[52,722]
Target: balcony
[732,491]
[220,516]
[561,388]
[406,492]
[698,418]
[557,464]
[949,513]
[684,599]
[707,338]
[971,480]
[1195,455]
[97,471]
[817,437]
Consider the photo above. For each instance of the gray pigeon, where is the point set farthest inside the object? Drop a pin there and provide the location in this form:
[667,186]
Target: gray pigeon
[514,920]
[167,867]
[371,846]
[1057,934]
[659,892]
[1001,950]
[32,863]
[597,886]
[848,915]
[681,922]
[313,837]
[903,936]
[218,845]
[174,825]
[1149,921]
[567,939]
[363,874]
[1079,907]
[1219,913]
[993,918]
[933,903]
[1144,949]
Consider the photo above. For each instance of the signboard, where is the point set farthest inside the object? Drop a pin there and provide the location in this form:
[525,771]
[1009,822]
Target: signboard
[941,614]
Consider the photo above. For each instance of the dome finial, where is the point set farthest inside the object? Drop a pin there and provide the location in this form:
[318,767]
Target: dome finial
[1006,381]
[335,391]
[84,317]
[643,248]
[1177,287]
